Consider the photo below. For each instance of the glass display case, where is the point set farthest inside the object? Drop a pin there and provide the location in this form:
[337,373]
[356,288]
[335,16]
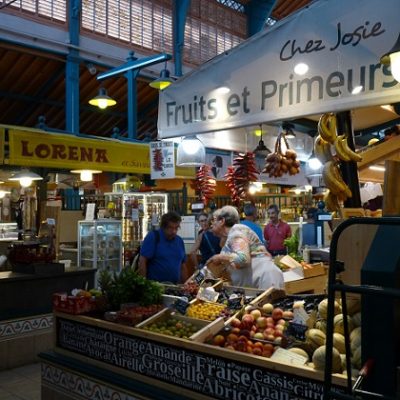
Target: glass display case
[139,212]
[100,244]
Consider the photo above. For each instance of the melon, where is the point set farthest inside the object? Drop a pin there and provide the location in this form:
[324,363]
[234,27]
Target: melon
[356,358]
[353,305]
[321,325]
[300,352]
[357,319]
[319,359]
[338,326]
[355,339]
[323,308]
[315,338]
[339,343]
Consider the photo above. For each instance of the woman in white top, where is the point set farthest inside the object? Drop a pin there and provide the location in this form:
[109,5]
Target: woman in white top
[243,255]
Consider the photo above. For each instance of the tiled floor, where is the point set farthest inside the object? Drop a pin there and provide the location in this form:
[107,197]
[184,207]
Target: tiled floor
[21,383]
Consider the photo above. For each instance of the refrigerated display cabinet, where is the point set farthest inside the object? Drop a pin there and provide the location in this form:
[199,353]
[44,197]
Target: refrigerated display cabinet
[100,244]
[140,213]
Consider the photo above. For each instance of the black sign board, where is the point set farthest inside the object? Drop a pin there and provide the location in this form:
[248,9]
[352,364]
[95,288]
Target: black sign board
[181,305]
[199,278]
[210,375]
[235,303]
[297,331]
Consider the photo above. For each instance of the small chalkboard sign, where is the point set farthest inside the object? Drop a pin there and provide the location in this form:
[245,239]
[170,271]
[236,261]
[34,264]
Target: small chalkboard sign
[297,331]
[235,303]
[181,305]
[199,278]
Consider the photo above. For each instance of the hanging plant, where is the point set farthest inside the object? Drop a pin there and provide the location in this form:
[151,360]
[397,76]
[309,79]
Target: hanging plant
[204,184]
[241,175]
[279,163]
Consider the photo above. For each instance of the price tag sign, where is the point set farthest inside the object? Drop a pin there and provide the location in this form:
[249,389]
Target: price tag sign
[181,305]
[207,294]
[199,278]
[235,303]
[298,331]
[90,211]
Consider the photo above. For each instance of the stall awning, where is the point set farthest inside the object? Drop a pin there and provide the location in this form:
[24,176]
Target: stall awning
[340,41]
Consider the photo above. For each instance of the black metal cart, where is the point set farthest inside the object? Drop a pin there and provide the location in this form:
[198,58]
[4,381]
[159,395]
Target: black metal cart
[379,288]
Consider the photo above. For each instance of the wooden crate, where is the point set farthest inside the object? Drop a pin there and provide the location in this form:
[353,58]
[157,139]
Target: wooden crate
[205,328]
[316,269]
[314,285]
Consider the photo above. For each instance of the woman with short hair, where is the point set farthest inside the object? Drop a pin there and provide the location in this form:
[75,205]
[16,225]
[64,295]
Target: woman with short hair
[243,255]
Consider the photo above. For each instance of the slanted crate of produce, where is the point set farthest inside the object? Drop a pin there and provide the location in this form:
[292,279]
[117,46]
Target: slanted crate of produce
[72,304]
[168,322]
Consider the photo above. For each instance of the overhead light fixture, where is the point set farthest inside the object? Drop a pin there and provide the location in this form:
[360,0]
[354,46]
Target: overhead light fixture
[288,128]
[377,168]
[261,148]
[392,58]
[223,90]
[25,178]
[313,162]
[191,152]
[3,193]
[301,69]
[163,81]
[102,100]
[86,175]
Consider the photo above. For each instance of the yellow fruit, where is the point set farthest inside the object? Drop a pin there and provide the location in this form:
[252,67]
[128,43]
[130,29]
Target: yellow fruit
[300,352]
[321,325]
[323,308]
[357,319]
[338,343]
[319,359]
[315,338]
[338,324]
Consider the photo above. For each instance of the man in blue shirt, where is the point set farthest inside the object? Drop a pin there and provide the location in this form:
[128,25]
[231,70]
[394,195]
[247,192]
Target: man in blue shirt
[250,213]
[162,254]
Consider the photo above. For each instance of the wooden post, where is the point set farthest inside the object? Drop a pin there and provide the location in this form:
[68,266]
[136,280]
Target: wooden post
[391,189]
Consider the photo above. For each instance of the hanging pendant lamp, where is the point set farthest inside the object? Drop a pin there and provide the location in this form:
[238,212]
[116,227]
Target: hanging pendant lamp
[261,148]
[25,178]
[102,100]
[191,152]
[163,81]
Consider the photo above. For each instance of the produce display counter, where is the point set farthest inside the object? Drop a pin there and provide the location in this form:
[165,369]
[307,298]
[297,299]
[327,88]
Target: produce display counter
[92,355]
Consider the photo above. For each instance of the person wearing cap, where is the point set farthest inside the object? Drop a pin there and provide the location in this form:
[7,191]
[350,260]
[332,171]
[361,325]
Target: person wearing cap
[275,232]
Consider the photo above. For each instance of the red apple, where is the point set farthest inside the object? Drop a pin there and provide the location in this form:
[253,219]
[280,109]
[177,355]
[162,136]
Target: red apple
[288,314]
[236,331]
[281,322]
[268,347]
[236,322]
[270,338]
[247,321]
[269,331]
[278,333]
[270,320]
[232,338]
[257,351]
[267,353]
[219,340]
[277,313]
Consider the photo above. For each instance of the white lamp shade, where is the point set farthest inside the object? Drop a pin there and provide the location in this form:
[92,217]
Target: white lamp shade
[25,178]
[191,152]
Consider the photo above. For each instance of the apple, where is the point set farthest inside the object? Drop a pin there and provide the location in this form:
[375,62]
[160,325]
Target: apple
[270,338]
[267,308]
[288,314]
[256,313]
[252,333]
[254,328]
[219,340]
[257,351]
[236,331]
[259,336]
[267,353]
[261,322]
[277,340]
[270,320]
[232,338]
[268,347]
[247,321]
[278,333]
[277,313]
[236,322]
[281,322]
[229,346]
[245,333]
[269,331]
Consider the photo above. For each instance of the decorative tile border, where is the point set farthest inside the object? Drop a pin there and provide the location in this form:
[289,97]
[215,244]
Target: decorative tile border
[26,325]
[79,386]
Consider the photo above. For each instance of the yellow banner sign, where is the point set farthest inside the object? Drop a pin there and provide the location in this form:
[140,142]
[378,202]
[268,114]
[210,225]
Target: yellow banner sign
[50,150]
